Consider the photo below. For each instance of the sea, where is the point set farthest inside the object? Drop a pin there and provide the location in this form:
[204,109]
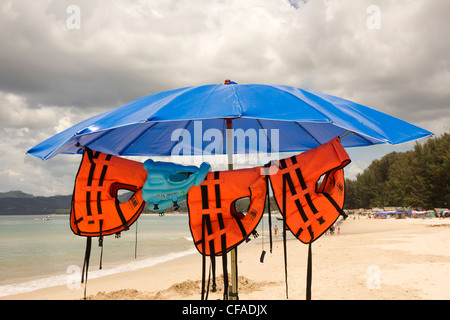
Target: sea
[41,251]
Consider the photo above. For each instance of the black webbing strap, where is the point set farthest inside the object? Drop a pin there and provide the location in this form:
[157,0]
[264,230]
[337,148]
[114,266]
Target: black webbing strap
[87,255]
[223,239]
[300,178]
[205,205]
[100,242]
[217,190]
[100,184]
[92,156]
[309,273]
[269,212]
[284,237]
[88,203]
[204,190]
[212,250]
[287,179]
[307,196]
[203,257]
[241,227]
[207,231]
[206,226]
[335,205]
[309,267]
[121,216]
[99,202]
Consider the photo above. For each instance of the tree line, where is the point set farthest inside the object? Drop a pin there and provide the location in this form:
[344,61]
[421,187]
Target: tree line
[419,178]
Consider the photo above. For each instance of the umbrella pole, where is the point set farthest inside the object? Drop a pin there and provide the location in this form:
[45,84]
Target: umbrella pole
[234,275]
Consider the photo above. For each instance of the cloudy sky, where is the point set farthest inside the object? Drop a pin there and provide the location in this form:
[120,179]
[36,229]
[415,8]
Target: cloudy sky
[64,61]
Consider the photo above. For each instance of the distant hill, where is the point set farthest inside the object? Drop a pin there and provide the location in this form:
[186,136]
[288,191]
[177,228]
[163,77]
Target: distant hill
[15,194]
[21,203]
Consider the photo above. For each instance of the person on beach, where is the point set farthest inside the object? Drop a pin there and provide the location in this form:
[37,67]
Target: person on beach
[275,229]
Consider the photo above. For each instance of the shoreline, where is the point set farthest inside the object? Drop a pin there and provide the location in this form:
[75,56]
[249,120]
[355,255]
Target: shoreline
[73,275]
[369,259]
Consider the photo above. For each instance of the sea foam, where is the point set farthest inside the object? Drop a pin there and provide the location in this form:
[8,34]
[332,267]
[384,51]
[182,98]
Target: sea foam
[75,273]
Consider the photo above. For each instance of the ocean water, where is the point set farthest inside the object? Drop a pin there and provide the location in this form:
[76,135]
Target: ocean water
[37,253]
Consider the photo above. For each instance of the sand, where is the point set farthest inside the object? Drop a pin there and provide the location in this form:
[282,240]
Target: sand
[391,259]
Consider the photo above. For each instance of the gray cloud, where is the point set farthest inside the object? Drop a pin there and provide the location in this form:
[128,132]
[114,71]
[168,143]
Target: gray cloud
[52,77]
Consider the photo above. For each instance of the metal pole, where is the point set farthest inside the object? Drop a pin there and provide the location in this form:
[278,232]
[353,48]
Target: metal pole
[234,275]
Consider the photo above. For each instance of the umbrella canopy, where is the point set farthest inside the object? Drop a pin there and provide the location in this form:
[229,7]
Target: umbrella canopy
[159,124]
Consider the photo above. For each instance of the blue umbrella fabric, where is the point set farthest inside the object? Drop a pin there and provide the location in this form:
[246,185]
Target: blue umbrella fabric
[301,119]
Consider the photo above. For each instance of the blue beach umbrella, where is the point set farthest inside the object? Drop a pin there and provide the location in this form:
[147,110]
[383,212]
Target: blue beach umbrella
[193,120]
[162,123]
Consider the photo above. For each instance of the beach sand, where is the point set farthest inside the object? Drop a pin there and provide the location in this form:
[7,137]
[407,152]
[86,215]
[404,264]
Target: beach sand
[370,259]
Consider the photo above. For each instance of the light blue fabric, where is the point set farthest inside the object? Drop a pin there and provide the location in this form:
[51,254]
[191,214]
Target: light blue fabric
[168,183]
[303,119]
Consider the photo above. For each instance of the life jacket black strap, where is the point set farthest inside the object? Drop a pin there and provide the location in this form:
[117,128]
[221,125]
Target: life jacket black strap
[207,229]
[293,191]
[241,227]
[95,155]
[309,273]
[217,190]
[88,203]
[90,154]
[212,250]
[203,256]
[100,243]
[121,216]
[269,212]
[335,205]
[204,190]
[223,238]
[284,237]
[87,256]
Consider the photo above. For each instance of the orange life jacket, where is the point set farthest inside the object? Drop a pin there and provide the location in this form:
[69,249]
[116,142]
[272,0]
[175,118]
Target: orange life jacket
[96,209]
[215,224]
[310,209]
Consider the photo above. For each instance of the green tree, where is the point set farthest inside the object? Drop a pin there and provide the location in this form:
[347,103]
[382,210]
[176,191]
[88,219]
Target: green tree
[417,178]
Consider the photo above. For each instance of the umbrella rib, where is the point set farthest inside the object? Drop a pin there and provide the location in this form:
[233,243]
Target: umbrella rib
[349,133]
[345,134]
[307,132]
[49,155]
[237,102]
[179,139]
[121,152]
[267,138]
[95,140]
[357,134]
